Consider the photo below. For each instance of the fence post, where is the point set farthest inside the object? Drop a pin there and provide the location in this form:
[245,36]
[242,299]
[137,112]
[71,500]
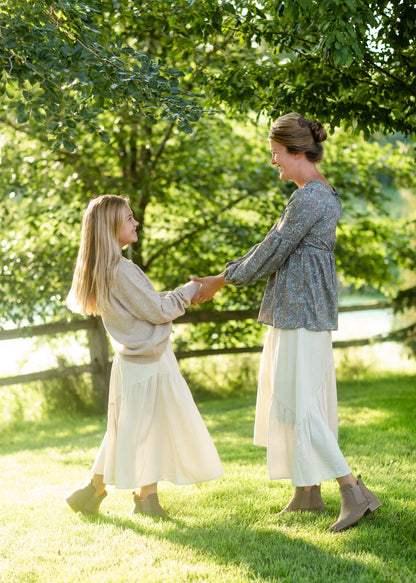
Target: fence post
[98,345]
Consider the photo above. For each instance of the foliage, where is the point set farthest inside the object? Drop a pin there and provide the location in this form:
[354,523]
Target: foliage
[405,303]
[358,55]
[206,197]
[63,63]
[206,193]
[75,59]
[405,299]
[67,395]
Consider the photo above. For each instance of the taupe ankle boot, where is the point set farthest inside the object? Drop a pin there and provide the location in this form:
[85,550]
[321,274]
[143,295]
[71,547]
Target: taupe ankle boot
[149,506]
[373,501]
[305,500]
[355,502]
[353,507]
[84,500]
[317,504]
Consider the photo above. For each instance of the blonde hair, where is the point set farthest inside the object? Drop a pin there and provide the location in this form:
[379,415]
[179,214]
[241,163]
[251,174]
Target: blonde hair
[298,134]
[98,256]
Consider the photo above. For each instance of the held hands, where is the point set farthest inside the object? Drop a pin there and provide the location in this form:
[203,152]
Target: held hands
[208,287]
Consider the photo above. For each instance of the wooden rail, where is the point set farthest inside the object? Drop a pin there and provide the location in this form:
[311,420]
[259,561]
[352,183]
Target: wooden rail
[99,366]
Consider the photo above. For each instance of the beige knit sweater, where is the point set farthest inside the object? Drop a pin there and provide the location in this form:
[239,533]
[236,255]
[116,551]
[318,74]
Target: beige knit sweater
[138,318]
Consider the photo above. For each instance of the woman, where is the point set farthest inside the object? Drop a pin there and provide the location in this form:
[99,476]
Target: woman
[154,430]
[296,412]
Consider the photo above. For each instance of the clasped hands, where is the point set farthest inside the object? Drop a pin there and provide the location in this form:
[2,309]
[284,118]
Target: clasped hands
[208,287]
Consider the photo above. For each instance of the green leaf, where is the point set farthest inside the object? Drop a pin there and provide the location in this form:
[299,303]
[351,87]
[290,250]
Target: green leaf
[68,145]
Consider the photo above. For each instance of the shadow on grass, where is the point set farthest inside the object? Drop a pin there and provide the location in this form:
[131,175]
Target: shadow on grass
[379,428]
[274,554]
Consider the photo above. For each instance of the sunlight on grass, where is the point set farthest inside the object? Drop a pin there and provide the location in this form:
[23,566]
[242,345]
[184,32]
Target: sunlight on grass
[365,417]
[225,531]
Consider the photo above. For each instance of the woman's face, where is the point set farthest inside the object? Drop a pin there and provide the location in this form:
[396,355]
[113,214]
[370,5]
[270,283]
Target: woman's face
[128,230]
[281,158]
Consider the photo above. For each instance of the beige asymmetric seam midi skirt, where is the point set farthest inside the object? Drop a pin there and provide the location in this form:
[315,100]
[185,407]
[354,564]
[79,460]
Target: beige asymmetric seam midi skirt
[154,431]
[296,411]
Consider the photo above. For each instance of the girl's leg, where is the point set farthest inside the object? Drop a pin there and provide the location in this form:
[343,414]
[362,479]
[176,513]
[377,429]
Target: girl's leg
[146,501]
[145,491]
[87,500]
[98,483]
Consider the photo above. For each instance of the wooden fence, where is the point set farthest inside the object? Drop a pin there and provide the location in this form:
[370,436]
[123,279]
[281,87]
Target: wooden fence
[100,365]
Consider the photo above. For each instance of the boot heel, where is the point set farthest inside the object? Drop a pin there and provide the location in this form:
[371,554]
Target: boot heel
[374,505]
[373,501]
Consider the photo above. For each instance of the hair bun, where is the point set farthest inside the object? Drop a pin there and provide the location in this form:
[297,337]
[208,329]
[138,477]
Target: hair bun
[318,132]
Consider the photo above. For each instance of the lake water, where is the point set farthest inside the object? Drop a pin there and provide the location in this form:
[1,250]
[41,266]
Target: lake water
[368,323]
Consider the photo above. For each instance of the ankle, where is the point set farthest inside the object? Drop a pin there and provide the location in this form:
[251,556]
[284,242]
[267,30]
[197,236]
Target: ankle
[145,491]
[99,485]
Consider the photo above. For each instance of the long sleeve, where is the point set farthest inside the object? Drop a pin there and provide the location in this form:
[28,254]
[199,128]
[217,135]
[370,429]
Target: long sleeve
[267,257]
[138,318]
[297,256]
[136,293]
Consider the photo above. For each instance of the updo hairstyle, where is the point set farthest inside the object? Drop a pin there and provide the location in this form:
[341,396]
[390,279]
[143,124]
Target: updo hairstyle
[299,135]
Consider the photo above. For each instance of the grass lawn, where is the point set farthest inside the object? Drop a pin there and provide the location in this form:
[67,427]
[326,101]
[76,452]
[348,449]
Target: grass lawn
[227,530]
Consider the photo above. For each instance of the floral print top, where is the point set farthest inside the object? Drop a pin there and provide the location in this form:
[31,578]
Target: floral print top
[297,256]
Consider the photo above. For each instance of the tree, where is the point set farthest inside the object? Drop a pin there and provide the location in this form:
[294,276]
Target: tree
[63,63]
[197,196]
[76,59]
[347,62]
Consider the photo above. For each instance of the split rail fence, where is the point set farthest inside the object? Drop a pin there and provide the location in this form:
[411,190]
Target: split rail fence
[100,364]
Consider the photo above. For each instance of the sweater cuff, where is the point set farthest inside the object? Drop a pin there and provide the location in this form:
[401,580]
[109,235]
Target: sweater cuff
[188,291]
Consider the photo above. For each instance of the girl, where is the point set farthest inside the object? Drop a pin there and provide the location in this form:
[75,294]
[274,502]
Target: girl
[296,413]
[154,429]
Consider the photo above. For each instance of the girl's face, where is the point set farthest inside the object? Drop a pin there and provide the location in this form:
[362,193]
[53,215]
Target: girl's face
[128,230]
[285,161]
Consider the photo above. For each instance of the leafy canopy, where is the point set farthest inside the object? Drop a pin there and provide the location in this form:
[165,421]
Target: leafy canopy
[112,85]
[63,63]
[346,62]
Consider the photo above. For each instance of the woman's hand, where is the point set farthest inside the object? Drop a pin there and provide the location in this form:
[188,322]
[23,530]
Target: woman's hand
[208,287]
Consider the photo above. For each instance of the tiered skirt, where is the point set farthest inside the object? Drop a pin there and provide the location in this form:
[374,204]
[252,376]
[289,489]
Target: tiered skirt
[296,411]
[154,431]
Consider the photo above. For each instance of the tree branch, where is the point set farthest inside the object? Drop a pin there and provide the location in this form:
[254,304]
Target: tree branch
[202,227]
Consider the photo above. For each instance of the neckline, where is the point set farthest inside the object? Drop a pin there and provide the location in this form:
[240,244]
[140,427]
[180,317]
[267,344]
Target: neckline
[331,188]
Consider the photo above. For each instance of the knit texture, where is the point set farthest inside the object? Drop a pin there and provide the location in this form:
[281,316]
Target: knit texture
[138,318]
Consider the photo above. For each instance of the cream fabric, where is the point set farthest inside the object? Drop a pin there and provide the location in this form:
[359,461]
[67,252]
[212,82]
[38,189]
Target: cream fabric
[296,412]
[155,431]
[138,318]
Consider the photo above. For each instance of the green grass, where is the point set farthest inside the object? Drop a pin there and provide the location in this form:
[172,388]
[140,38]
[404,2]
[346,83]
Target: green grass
[227,530]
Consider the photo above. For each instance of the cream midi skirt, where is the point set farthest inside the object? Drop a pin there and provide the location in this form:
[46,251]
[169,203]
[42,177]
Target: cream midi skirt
[154,430]
[296,411]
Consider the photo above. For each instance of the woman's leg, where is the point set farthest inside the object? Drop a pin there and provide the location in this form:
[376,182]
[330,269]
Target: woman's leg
[305,498]
[356,500]
[348,479]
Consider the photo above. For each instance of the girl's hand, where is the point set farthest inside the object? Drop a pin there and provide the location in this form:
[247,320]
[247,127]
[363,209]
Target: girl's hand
[208,287]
